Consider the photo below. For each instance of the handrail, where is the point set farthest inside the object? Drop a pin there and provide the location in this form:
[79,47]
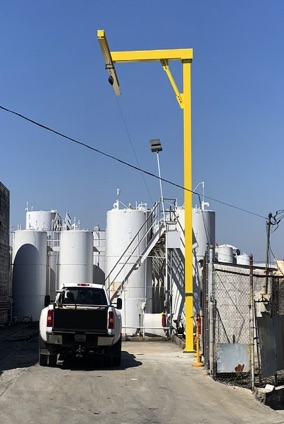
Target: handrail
[138,261]
[161,228]
[132,241]
[182,230]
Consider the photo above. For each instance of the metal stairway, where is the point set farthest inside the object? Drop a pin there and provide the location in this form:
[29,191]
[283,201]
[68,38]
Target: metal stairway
[153,230]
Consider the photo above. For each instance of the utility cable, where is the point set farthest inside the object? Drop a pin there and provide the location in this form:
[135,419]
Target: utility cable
[130,140]
[124,162]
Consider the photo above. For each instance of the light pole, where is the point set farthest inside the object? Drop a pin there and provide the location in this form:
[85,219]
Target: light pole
[156,147]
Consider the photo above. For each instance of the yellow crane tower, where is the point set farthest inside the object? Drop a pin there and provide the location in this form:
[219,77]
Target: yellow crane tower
[184,101]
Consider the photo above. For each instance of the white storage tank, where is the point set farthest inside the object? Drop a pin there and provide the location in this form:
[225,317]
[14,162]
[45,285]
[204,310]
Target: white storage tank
[243,259]
[40,220]
[29,261]
[75,257]
[203,229]
[225,253]
[203,224]
[126,239]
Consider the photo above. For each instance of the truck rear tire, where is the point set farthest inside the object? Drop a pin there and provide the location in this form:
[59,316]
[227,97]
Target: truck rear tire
[117,354]
[48,358]
[52,360]
[113,356]
[43,360]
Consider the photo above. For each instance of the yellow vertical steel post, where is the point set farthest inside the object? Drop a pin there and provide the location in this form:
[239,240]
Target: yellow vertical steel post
[188,205]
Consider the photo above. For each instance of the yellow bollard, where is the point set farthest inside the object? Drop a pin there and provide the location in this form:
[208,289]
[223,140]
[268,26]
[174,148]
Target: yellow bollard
[198,362]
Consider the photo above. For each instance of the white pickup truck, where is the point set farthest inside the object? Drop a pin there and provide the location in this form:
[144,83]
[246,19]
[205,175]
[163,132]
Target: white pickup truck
[80,321]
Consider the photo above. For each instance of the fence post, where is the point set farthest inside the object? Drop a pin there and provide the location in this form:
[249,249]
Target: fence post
[211,310]
[252,325]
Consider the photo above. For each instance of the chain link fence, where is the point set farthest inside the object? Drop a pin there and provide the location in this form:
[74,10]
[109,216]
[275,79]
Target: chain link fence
[243,309]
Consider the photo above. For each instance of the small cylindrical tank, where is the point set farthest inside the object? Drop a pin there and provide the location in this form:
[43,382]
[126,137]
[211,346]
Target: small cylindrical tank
[243,259]
[225,253]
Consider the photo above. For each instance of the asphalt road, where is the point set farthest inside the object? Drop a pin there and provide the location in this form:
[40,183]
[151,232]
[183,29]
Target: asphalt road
[155,384]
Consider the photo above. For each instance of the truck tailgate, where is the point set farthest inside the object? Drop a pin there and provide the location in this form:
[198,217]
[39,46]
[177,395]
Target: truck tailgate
[93,319]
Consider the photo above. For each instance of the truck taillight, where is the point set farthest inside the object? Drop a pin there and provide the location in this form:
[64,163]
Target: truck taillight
[49,319]
[111,320]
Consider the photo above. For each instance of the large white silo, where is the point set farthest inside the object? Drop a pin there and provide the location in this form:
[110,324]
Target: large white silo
[76,257]
[29,261]
[203,234]
[126,239]
[203,229]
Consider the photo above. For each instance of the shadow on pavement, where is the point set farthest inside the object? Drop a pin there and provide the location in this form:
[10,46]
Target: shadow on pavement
[18,346]
[19,349]
[96,362]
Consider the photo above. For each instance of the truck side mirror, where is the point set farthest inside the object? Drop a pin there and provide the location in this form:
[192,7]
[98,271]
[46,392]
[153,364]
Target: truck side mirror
[119,303]
[46,300]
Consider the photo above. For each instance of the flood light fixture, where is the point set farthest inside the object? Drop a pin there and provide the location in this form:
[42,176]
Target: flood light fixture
[155,145]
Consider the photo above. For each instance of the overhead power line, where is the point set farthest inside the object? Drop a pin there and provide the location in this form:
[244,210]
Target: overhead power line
[66,137]
[134,152]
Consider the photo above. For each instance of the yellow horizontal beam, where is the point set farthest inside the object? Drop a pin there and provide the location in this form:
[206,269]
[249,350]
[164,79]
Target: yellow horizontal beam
[152,55]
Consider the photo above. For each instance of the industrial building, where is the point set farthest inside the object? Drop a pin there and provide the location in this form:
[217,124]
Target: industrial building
[5,287]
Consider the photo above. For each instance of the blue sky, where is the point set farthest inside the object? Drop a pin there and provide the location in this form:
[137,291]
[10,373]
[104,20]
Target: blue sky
[52,71]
